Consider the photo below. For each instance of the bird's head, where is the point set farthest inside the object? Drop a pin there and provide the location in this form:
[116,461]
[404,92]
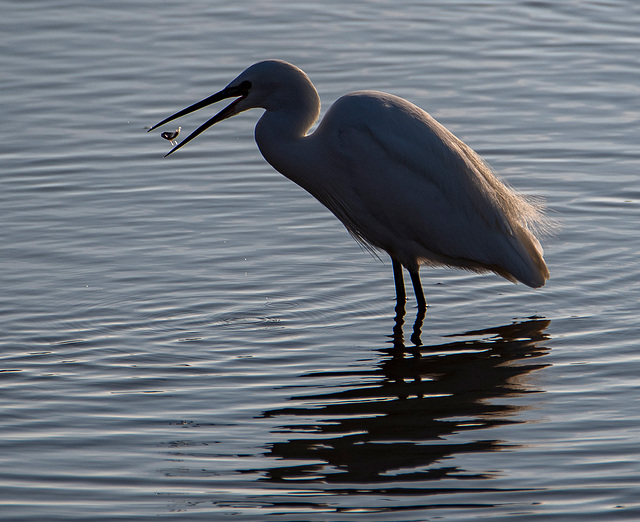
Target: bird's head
[270,85]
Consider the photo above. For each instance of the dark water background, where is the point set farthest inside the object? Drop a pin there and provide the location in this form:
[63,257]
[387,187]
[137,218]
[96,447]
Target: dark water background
[196,338]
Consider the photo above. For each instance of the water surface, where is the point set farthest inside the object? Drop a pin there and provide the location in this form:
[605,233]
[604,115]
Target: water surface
[196,338]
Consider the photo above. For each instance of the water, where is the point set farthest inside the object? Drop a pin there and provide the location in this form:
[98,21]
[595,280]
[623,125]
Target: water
[197,339]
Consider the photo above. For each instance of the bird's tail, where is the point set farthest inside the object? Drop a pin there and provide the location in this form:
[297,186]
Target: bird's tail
[532,271]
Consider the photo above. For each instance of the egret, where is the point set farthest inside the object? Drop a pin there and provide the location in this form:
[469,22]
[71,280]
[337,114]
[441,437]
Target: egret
[398,180]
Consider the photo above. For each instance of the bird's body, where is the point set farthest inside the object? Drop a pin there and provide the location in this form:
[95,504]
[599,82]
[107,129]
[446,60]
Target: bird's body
[397,179]
[171,136]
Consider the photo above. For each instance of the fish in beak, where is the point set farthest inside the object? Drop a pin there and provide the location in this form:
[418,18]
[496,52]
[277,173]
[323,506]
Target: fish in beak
[240,92]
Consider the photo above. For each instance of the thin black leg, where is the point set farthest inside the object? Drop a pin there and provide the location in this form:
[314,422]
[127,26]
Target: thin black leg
[401,294]
[417,288]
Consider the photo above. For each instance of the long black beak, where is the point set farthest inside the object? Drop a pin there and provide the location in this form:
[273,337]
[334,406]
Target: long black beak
[241,91]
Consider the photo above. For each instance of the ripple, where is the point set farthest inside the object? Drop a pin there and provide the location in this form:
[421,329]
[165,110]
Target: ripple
[197,337]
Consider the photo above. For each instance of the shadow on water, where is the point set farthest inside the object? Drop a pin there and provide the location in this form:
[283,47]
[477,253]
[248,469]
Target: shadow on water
[407,417]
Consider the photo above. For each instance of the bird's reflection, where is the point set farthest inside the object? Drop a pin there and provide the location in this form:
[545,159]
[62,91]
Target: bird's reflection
[404,419]
[398,327]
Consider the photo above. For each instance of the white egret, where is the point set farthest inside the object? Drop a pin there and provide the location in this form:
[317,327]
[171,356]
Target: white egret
[397,179]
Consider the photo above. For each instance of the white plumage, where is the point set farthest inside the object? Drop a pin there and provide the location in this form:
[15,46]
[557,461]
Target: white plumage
[396,178]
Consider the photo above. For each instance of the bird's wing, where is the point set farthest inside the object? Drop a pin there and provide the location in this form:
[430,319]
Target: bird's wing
[417,191]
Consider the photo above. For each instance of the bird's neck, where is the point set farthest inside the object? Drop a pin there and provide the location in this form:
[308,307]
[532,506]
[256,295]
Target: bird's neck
[282,139]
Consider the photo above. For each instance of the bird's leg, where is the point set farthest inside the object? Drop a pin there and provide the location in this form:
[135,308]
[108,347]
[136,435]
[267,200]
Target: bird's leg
[417,288]
[401,294]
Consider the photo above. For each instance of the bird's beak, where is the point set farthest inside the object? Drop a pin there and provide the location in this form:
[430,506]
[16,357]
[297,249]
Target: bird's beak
[240,91]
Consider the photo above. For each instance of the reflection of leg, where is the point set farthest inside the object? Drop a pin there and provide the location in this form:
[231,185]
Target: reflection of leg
[401,294]
[417,288]
[398,334]
[417,326]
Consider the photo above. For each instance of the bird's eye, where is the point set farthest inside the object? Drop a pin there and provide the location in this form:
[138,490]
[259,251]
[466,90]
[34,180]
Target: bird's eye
[245,85]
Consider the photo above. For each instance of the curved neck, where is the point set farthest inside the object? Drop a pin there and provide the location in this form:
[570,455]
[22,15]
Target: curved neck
[282,138]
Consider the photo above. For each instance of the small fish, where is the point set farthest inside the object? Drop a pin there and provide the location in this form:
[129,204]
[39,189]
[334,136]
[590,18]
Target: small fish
[171,136]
